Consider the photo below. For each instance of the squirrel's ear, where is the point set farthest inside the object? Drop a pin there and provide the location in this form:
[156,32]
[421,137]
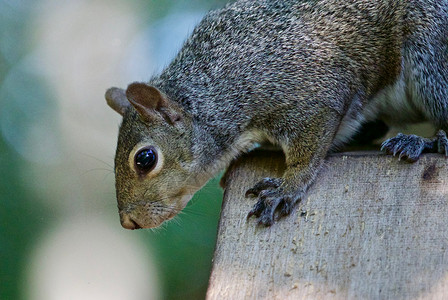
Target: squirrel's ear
[150,103]
[116,99]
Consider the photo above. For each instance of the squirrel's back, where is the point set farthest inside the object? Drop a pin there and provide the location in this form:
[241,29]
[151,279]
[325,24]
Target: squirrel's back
[251,50]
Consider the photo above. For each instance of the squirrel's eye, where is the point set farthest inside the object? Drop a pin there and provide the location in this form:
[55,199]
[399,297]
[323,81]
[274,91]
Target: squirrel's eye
[146,159]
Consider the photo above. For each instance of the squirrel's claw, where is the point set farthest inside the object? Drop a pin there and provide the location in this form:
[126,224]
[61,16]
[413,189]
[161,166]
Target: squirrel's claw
[271,198]
[265,207]
[264,184]
[408,147]
[257,209]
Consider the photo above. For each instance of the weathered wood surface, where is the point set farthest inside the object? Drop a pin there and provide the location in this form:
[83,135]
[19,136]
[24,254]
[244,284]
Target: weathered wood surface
[371,227]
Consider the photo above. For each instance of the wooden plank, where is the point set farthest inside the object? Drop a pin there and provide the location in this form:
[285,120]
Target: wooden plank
[371,227]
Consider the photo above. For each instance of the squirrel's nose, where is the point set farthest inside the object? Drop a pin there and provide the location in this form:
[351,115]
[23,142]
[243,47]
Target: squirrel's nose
[128,223]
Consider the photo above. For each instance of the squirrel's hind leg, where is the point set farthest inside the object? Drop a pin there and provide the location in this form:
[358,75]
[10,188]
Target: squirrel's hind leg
[442,142]
[410,147]
[407,147]
[426,60]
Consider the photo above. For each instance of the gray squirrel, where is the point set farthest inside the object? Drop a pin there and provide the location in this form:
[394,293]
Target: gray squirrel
[302,75]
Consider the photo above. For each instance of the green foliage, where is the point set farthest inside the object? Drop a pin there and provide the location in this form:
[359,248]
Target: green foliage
[22,216]
[22,219]
[183,249]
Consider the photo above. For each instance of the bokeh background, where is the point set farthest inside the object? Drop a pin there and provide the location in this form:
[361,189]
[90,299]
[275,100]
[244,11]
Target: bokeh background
[60,236]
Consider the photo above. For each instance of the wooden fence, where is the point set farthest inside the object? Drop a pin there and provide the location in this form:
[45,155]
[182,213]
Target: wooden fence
[371,227]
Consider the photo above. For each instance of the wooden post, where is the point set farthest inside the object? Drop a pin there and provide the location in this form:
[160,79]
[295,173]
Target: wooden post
[371,227]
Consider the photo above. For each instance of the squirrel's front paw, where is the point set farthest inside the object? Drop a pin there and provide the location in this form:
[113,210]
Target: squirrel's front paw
[271,197]
[265,184]
[408,147]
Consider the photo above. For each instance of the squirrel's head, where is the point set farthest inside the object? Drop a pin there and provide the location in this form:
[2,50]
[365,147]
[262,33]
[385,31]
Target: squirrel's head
[153,161]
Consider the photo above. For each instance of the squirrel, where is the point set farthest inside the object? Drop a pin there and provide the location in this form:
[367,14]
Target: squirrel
[301,75]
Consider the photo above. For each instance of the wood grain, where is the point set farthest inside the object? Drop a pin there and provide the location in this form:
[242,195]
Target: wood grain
[371,227]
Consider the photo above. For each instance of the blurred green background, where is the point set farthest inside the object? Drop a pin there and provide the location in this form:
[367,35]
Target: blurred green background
[60,236]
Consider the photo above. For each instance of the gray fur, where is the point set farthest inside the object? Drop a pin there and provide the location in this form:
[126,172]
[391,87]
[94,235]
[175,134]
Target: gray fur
[303,75]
